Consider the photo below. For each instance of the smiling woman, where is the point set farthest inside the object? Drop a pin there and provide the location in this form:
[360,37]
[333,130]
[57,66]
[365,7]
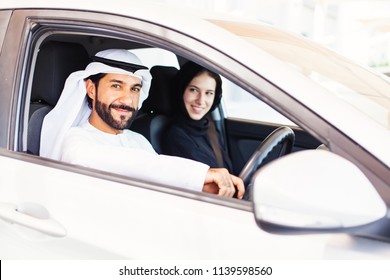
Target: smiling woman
[197,92]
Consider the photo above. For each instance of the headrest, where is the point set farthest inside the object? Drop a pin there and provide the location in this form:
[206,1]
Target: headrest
[55,62]
[161,92]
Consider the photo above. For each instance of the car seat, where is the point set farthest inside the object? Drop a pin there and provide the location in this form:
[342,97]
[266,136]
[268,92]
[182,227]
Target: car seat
[156,111]
[55,62]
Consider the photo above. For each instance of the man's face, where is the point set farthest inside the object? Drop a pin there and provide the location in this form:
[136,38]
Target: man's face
[115,102]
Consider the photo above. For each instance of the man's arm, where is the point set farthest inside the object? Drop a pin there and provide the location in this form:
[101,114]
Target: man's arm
[81,148]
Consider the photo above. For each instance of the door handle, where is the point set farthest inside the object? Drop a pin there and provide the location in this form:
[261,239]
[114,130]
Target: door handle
[9,213]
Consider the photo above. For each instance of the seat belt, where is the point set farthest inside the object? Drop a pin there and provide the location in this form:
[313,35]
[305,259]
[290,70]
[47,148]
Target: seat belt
[214,141]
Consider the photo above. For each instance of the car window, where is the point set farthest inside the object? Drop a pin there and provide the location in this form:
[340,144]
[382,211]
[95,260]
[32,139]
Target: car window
[237,102]
[235,99]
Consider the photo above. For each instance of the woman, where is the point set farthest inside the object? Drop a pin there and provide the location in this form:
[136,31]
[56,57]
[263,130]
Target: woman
[198,92]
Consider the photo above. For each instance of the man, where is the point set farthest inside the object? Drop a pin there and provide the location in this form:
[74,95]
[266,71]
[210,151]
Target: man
[92,129]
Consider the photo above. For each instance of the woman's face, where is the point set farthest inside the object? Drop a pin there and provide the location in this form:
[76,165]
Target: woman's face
[199,95]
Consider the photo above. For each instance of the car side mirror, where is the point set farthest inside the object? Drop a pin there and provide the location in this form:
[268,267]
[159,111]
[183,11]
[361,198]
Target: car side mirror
[314,191]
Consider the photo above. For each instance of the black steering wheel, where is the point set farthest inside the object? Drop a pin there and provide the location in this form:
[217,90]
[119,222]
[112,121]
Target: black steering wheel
[282,135]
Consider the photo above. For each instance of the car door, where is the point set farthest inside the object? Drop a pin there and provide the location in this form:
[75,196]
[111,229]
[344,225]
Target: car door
[50,209]
[54,210]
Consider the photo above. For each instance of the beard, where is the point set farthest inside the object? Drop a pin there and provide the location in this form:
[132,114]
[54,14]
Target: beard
[104,112]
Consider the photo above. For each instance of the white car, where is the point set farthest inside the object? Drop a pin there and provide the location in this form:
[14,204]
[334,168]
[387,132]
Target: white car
[327,199]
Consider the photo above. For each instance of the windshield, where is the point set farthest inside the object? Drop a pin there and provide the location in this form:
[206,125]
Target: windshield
[363,89]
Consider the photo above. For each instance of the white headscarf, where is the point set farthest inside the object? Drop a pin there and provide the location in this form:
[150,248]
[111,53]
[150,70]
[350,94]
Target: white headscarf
[72,108]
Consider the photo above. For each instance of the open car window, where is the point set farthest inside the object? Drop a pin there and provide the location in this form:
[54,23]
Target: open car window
[238,103]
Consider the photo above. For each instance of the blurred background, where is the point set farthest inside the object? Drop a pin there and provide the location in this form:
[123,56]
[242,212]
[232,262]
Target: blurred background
[359,29]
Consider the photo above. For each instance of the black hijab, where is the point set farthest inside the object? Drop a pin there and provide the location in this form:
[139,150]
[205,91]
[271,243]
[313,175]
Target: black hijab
[183,77]
[198,130]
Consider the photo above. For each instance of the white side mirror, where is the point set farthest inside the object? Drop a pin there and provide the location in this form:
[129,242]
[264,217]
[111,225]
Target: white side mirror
[314,191]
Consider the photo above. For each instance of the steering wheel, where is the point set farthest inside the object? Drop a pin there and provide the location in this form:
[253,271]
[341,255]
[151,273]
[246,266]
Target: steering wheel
[282,135]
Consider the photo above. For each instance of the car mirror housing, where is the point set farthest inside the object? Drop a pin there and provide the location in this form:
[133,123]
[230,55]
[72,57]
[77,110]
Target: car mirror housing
[314,191]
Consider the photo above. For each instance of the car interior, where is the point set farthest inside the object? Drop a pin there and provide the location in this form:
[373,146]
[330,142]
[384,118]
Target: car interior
[59,55]
[55,61]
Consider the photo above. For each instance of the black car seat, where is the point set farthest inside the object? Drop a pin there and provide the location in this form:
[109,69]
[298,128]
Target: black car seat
[55,62]
[156,111]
